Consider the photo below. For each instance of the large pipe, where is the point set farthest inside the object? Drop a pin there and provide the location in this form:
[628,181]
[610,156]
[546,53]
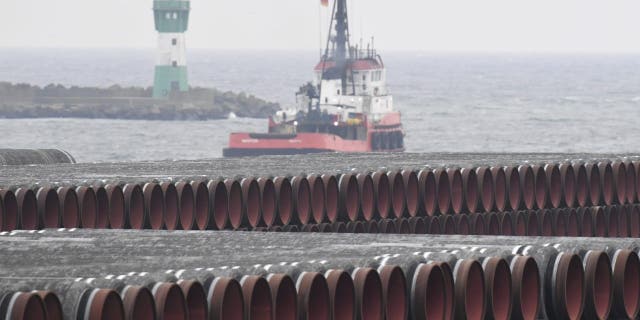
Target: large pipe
[349,206]
[102,207]
[398,194]
[269,202]
[23,305]
[48,208]
[527,187]
[52,305]
[394,292]
[382,194]
[568,184]
[69,209]
[258,303]
[332,195]
[196,299]
[186,207]
[582,184]
[554,187]
[234,193]
[456,189]
[88,207]
[514,191]
[116,206]
[427,192]
[540,187]
[598,285]
[201,194]
[619,182]
[134,206]
[154,206]
[251,208]
[219,204]
[171,206]
[630,169]
[470,190]
[485,188]
[443,190]
[342,295]
[284,296]
[607,186]
[593,179]
[367,199]
[14,157]
[412,189]
[499,188]
[301,200]
[10,216]
[318,201]
[498,288]
[626,284]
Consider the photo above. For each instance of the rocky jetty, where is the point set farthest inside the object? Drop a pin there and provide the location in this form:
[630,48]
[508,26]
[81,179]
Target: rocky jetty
[115,102]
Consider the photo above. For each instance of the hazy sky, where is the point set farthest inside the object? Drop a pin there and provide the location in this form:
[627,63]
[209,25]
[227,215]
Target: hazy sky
[430,25]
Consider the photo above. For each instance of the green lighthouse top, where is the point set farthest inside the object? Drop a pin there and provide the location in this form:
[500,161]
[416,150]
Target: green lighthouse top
[171,15]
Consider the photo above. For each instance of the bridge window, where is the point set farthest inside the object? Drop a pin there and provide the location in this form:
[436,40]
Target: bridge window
[174,41]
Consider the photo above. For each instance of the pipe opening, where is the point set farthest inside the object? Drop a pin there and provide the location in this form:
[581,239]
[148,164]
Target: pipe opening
[134,205]
[527,287]
[521,224]
[342,294]
[474,295]
[394,292]
[613,230]
[196,300]
[27,305]
[478,224]
[331,195]
[350,196]
[69,208]
[573,229]
[269,201]
[417,225]
[443,191]
[514,191]
[487,189]
[283,292]
[555,185]
[500,188]
[494,224]
[532,224]
[201,204]
[631,182]
[318,199]
[369,291]
[218,194]
[154,200]
[568,185]
[456,189]
[313,297]
[634,221]
[138,303]
[599,284]
[546,223]
[397,194]
[234,191]
[258,303]
[560,223]
[187,205]
[49,205]
[170,302]
[10,219]
[251,196]
[574,288]
[500,289]
[434,299]
[448,225]
[631,285]
[462,224]
[594,184]
[52,306]
[527,186]
[171,211]
[471,190]
[367,201]
[606,174]
[225,299]
[582,186]
[428,182]
[506,224]
[411,192]
[102,208]
[105,305]
[540,187]
[116,207]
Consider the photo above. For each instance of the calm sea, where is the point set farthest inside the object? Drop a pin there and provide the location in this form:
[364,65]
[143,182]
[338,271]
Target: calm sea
[449,102]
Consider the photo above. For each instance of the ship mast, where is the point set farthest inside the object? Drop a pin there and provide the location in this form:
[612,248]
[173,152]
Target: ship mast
[340,44]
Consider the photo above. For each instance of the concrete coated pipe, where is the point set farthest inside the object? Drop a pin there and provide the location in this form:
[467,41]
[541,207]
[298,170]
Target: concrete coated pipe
[284,296]
[154,206]
[349,206]
[527,187]
[318,201]
[22,305]
[567,184]
[331,194]
[171,206]
[251,203]
[134,206]
[499,188]
[88,207]
[234,193]
[455,178]
[412,190]
[27,209]
[69,209]
[540,187]
[470,190]
[382,194]
[201,194]
[582,184]
[10,215]
[443,190]
[48,208]
[258,303]
[367,199]
[398,194]
[14,157]
[427,192]
[514,191]
[268,201]
[187,206]
[116,206]
[486,189]
[219,204]
[619,182]
[342,296]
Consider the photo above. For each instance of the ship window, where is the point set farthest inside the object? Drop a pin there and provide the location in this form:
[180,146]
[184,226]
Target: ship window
[167,15]
[174,63]
[174,41]
[175,16]
[338,91]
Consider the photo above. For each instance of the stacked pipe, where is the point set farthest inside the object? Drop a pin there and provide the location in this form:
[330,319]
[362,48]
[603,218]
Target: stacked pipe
[116,274]
[563,199]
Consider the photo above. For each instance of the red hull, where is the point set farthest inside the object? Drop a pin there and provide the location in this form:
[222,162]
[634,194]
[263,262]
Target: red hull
[250,144]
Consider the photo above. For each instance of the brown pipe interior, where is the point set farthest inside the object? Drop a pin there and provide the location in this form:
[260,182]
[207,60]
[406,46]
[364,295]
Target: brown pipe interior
[555,187]
[318,300]
[574,289]
[444,192]
[471,191]
[318,199]
[528,187]
[429,195]
[51,208]
[462,225]
[171,211]
[253,203]
[473,301]
[261,303]
[143,305]
[602,286]
[412,194]
[202,205]
[398,195]
[234,191]
[70,214]
[156,208]
[530,290]
[396,293]
[331,195]
[232,302]
[540,187]
[135,207]
[116,209]
[456,191]
[500,188]
[436,300]
[514,191]
[102,208]
[269,202]
[187,207]
[582,187]
[487,190]
[353,195]
[371,297]
[569,186]
[631,286]
[367,203]
[52,306]
[343,298]
[10,219]
[286,300]
[501,292]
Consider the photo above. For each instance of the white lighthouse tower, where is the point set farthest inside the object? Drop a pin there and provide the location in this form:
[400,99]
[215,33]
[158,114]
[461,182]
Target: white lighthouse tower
[171,20]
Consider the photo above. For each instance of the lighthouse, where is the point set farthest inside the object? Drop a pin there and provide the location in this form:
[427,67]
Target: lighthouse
[171,20]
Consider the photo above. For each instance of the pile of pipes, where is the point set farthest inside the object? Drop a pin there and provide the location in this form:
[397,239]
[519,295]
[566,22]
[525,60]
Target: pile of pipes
[559,199]
[118,274]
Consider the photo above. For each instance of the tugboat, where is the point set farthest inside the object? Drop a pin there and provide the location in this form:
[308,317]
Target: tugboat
[345,109]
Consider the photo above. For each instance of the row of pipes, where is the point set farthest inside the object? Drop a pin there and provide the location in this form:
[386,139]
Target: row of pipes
[333,277]
[265,202]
